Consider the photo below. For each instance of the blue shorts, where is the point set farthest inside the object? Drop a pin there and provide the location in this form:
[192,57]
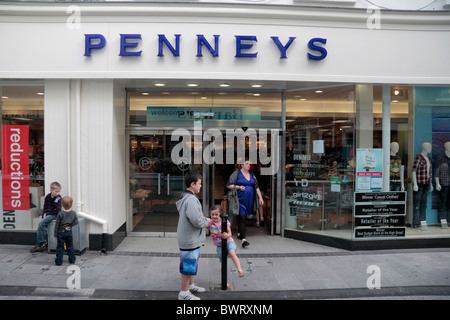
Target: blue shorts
[189,261]
[231,245]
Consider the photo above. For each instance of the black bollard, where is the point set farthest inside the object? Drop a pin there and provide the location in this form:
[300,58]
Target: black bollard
[224,228]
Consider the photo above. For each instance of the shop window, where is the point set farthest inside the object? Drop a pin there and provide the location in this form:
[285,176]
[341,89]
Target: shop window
[22,109]
[432,116]
[399,106]
[320,159]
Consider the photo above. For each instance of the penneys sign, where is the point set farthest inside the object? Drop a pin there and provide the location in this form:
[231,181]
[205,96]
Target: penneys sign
[130,45]
[15,167]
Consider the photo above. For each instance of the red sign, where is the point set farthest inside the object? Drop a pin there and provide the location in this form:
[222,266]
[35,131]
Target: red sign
[15,168]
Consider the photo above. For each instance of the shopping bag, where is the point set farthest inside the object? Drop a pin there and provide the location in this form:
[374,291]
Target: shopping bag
[233,202]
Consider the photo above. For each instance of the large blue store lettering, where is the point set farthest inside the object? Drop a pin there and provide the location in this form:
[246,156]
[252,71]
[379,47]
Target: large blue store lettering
[124,44]
[93,41]
[282,48]
[163,40]
[201,41]
[313,46]
[245,46]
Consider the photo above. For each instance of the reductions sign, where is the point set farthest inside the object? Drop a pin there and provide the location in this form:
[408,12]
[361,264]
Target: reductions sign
[15,167]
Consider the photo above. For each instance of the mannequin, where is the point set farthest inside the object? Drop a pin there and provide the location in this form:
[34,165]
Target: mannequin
[396,173]
[442,178]
[422,183]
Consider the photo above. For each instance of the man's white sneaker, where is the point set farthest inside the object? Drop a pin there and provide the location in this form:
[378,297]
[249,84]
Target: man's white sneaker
[196,289]
[187,296]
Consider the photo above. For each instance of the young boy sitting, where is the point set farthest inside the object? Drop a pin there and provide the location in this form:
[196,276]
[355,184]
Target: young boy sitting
[52,205]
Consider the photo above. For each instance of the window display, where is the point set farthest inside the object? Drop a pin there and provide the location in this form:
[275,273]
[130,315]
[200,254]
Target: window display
[397,170]
[22,110]
[442,178]
[323,144]
[319,159]
[432,115]
[422,184]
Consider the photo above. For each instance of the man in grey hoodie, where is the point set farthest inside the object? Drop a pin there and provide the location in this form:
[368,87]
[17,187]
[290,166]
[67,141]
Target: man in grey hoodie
[191,235]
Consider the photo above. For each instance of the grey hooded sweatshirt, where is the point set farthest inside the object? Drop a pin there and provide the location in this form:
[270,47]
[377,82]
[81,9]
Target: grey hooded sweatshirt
[191,222]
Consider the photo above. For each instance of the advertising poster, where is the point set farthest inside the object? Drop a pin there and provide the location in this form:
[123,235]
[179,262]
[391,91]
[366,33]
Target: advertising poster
[15,167]
[369,169]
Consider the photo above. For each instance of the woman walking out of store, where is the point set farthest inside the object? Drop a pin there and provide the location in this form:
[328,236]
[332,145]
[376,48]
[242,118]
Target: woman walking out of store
[249,196]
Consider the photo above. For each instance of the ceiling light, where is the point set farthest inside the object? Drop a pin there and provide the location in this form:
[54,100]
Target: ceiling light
[5,97]
[302,99]
[225,84]
[256,85]
[341,121]
[318,91]
[40,93]
[192,84]
[159,84]
[394,101]
[396,92]
[145,93]
[256,94]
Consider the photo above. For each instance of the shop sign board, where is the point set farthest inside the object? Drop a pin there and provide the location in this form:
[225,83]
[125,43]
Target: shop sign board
[194,113]
[379,215]
[15,167]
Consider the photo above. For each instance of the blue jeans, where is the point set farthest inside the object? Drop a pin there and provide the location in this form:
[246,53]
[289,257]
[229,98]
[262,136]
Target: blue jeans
[67,238]
[231,245]
[41,235]
[420,198]
[444,209]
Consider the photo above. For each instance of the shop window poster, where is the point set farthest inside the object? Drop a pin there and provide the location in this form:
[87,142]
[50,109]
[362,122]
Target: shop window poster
[369,169]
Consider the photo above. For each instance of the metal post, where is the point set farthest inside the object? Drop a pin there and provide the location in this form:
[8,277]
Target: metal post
[224,228]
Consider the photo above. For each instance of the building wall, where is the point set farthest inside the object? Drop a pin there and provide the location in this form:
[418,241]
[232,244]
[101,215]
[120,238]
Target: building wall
[362,46]
[89,162]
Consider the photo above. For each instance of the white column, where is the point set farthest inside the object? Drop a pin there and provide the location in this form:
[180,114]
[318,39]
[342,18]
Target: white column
[103,153]
[364,116]
[56,115]
[84,137]
[386,126]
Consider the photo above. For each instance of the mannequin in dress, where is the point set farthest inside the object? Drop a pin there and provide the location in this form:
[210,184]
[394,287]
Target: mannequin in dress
[442,179]
[422,183]
[396,173]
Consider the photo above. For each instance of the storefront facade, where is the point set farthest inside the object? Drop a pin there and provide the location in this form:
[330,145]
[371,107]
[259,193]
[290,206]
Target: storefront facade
[107,92]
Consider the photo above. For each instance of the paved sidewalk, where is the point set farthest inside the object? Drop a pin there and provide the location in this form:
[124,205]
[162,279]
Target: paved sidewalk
[276,268]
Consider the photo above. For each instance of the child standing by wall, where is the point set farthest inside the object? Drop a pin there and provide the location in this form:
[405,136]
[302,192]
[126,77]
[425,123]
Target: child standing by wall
[215,228]
[66,219]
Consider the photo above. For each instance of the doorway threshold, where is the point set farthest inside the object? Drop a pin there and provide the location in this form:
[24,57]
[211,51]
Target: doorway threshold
[152,234]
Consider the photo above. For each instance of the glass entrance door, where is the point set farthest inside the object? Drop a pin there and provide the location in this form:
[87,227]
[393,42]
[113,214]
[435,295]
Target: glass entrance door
[156,183]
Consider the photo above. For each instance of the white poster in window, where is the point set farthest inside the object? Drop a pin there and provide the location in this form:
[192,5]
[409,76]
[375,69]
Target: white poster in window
[318,146]
[369,169]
